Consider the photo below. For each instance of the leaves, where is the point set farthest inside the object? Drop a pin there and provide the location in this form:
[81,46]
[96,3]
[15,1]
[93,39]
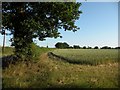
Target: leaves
[28,20]
[41,16]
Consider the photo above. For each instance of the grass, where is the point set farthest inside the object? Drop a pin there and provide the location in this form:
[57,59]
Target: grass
[51,73]
[7,51]
[88,56]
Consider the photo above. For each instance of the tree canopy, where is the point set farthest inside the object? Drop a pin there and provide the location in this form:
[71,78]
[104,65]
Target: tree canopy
[43,19]
[28,20]
[61,45]
[76,46]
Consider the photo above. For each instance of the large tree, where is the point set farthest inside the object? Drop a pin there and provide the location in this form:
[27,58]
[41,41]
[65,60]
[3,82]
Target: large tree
[28,20]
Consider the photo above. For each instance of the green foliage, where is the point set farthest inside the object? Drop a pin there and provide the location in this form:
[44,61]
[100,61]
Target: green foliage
[76,46]
[117,47]
[42,19]
[28,20]
[61,45]
[37,51]
[84,47]
[105,47]
[96,47]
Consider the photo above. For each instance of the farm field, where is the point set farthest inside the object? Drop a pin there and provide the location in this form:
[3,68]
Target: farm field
[54,73]
[88,56]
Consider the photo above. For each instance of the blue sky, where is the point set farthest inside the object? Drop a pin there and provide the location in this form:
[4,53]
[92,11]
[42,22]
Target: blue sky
[98,27]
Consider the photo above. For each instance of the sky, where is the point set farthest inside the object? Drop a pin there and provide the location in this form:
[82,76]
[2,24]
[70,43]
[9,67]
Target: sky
[98,27]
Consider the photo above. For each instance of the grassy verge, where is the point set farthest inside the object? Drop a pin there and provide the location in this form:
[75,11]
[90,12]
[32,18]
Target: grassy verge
[24,74]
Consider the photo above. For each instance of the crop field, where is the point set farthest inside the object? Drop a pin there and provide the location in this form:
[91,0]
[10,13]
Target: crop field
[88,56]
[54,73]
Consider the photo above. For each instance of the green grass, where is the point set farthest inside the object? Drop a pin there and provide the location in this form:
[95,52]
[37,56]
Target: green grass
[51,73]
[37,51]
[7,51]
[89,56]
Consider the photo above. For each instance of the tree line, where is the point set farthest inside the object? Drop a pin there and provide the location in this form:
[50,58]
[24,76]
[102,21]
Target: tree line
[65,45]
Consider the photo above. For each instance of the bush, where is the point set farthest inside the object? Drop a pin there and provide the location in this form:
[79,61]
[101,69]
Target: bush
[35,51]
[28,53]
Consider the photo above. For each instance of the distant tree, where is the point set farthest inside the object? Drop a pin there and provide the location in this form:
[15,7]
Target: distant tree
[109,47]
[96,47]
[28,20]
[89,47]
[70,47]
[76,46]
[58,45]
[84,47]
[106,47]
[61,45]
[65,45]
[117,47]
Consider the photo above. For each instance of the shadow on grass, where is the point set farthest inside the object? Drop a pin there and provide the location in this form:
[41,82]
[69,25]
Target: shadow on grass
[69,85]
[7,60]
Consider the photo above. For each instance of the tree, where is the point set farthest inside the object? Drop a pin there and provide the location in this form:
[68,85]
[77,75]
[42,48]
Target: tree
[28,20]
[117,47]
[89,47]
[106,47]
[70,47]
[61,45]
[76,46]
[84,47]
[96,47]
